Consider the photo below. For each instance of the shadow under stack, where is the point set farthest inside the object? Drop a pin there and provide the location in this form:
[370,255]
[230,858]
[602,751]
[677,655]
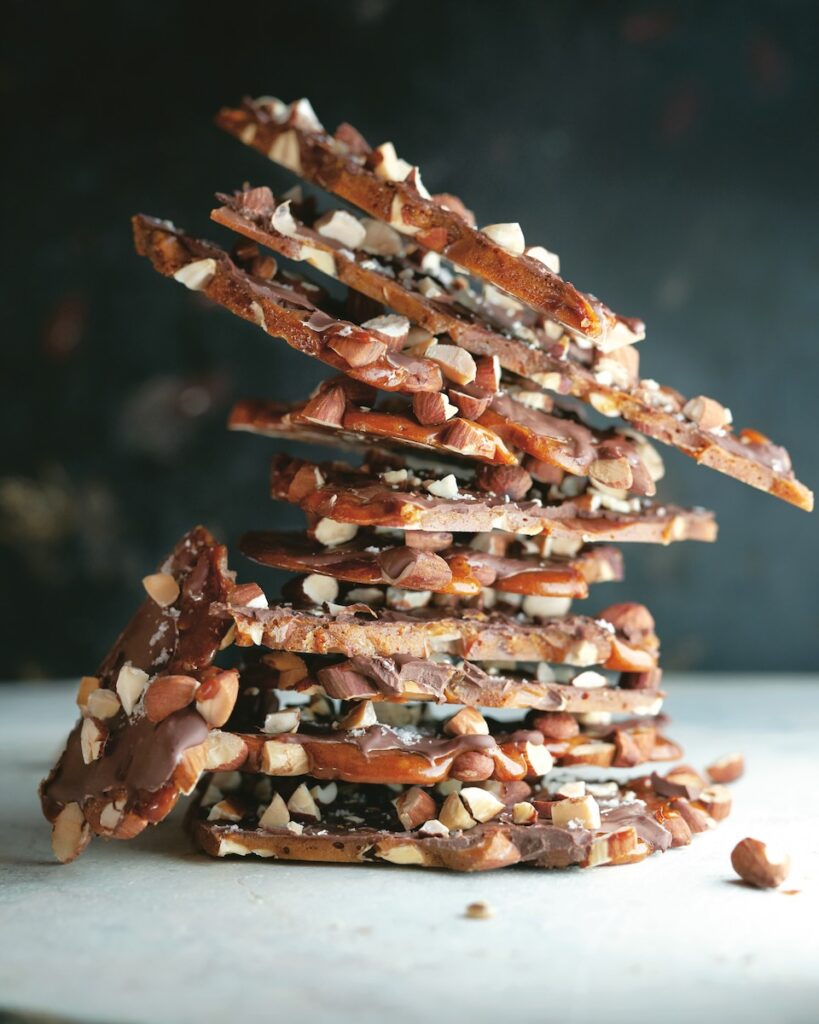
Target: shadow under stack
[425,691]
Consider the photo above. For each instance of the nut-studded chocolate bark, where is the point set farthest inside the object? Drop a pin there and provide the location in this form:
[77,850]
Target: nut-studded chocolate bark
[387,188]
[506,432]
[388,494]
[471,828]
[440,301]
[429,562]
[147,714]
[405,744]
[622,638]
[283,308]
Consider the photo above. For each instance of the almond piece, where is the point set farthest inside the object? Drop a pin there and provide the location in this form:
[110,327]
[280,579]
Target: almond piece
[224,751]
[707,413]
[391,328]
[511,481]
[247,595]
[508,236]
[327,408]
[760,865]
[325,794]
[131,682]
[330,533]
[456,363]
[415,806]
[614,473]
[190,766]
[550,260]
[162,588]
[432,408]
[488,373]
[524,813]
[467,722]
[70,833]
[584,810]
[92,740]
[303,804]
[481,804]
[472,766]
[225,810]
[284,759]
[454,815]
[88,684]
[342,227]
[102,704]
[282,721]
[196,275]
[468,439]
[319,589]
[276,815]
[291,668]
[216,697]
[357,350]
[446,488]
[726,769]
[167,694]
[539,760]
[471,407]
[414,569]
[717,801]
[360,716]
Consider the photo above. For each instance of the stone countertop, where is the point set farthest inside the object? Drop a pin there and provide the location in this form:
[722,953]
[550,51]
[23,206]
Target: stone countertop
[152,931]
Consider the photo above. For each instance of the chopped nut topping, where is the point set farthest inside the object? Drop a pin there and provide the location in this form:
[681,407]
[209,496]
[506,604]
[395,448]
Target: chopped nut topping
[162,588]
[131,682]
[507,236]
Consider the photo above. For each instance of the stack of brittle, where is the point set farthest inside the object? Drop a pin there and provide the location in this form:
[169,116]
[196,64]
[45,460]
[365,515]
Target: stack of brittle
[424,691]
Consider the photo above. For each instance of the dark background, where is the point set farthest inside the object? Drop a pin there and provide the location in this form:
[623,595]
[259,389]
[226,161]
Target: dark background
[668,153]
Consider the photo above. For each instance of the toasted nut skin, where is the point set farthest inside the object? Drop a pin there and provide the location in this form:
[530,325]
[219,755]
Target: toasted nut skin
[472,766]
[472,407]
[727,769]
[87,686]
[479,911]
[467,722]
[633,620]
[676,825]
[162,588]
[512,481]
[614,473]
[415,806]
[716,800]
[488,373]
[167,694]
[432,408]
[707,413]
[455,815]
[217,696]
[696,819]
[326,408]
[360,716]
[358,351]
[758,866]
[556,725]
[456,363]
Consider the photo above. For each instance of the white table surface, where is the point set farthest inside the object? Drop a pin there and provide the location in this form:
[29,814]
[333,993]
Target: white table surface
[151,931]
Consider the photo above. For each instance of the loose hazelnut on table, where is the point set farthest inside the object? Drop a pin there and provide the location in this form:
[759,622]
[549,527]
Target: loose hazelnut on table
[760,865]
[479,910]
